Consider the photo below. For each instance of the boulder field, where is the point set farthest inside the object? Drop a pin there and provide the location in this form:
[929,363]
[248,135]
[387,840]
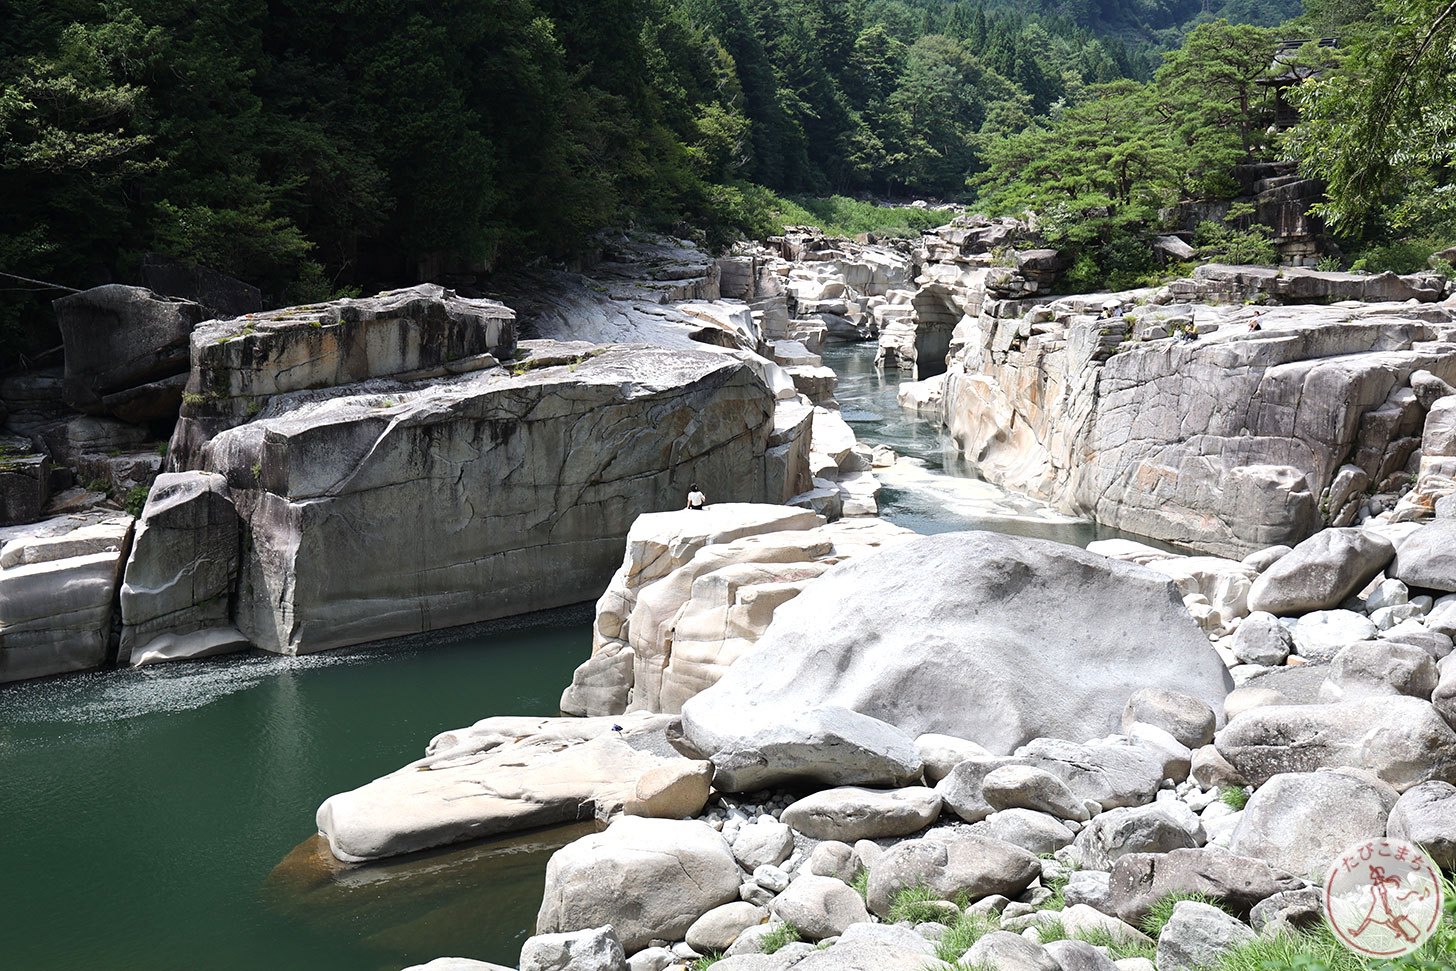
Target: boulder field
[1013,752]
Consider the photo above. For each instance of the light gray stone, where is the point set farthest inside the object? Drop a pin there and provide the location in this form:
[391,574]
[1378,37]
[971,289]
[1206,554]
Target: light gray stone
[651,959]
[1261,639]
[1027,787]
[1079,956]
[1402,740]
[1139,881]
[1090,887]
[897,936]
[1112,771]
[1375,668]
[1289,911]
[1299,822]
[1035,832]
[833,858]
[951,864]
[717,929]
[1189,720]
[1010,952]
[458,964]
[855,813]
[1144,829]
[1197,935]
[1426,816]
[963,655]
[649,878]
[596,949]
[941,753]
[1321,572]
[762,843]
[820,907]
[1427,557]
[1319,636]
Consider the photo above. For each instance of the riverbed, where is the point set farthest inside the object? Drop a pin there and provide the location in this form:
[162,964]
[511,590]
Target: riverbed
[163,819]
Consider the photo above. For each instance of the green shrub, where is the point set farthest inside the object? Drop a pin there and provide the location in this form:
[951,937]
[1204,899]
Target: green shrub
[136,498]
[1234,797]
[781,936]
[1117,947]
[843,216]
[1219,243]
[1397,256]
[861,884]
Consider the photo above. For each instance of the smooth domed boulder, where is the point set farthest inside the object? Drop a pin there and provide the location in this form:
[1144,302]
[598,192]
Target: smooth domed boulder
[1426,816]
[951,864]
[719,928]
[1009,952]
[1401,740]
[1321,572]
[820,907]
[856,813]
[1321,635]
[941,753]
[763,843]
[649,878]
[1026,828]
[1300,821]
[1427,557]
[991,638]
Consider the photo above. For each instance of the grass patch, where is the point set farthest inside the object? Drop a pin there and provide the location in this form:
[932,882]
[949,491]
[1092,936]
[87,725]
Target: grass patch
[706,961]
[1162,911]
[843,216]
[1234,797]
[780,937]
[961,936]
[918,905]
[861,884]
[1117,947]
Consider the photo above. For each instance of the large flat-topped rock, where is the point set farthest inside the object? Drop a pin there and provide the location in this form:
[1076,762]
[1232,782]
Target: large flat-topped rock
[1290,284]
[422,331]
[488,495]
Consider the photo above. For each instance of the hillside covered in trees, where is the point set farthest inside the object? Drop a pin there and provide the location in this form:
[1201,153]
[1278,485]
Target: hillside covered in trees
[309,148]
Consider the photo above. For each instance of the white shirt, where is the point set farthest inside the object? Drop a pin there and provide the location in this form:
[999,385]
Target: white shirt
[697,499]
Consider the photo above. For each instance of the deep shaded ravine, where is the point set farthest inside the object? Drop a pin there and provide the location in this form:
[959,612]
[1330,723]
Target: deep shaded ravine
[146,813]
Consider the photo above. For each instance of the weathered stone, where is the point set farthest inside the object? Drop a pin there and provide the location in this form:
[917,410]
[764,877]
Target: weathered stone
[820,907]
[178,588]
[499,775]
[1401,740]
[1113,771]
[963,648]
[1426,816]
[1197,935]
[763,844]
[832,858]
[1026,787]
[119,340]
[1374,668]
[648,878]
[1321,572]
[951,864]
[941,753]
[1143,829]
[1299,822]
[677,789]
[1010,952]
[1427,557]
[1072,955]
[1190,721]
[1261,639]
[1289,911]
[596,949]
[1032,831]
[719,928]
[1236,882]
[854,813]
[1319,636]
[57,590]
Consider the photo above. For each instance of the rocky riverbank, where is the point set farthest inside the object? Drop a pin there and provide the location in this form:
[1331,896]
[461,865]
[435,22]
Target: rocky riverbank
[1015,754]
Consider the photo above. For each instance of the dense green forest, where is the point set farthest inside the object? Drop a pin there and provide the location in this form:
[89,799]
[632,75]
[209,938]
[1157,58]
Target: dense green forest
[310,146]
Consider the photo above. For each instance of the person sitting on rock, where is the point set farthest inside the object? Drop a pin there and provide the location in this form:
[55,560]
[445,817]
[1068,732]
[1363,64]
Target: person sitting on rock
[1254,324]
[696,500]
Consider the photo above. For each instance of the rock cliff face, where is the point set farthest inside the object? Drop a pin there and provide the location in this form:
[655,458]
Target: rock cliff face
[1238,440]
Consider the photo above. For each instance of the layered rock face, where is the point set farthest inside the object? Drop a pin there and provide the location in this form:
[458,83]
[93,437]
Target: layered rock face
[1237,441]
[695,592]
[58,585]
[451,477]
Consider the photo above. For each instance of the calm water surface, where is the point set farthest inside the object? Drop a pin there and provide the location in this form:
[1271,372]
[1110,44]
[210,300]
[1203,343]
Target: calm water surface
[152,819]
[163,819]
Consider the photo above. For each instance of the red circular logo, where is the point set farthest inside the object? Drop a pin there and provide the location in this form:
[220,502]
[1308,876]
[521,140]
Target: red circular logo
[1383,898]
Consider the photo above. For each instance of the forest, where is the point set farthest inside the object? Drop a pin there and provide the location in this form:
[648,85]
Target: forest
[315,148]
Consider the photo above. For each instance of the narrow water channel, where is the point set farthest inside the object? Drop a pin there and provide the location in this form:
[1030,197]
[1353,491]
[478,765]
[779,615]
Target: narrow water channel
[162,819]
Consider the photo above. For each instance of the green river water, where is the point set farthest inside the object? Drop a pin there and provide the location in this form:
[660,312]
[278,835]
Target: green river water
[163,819]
